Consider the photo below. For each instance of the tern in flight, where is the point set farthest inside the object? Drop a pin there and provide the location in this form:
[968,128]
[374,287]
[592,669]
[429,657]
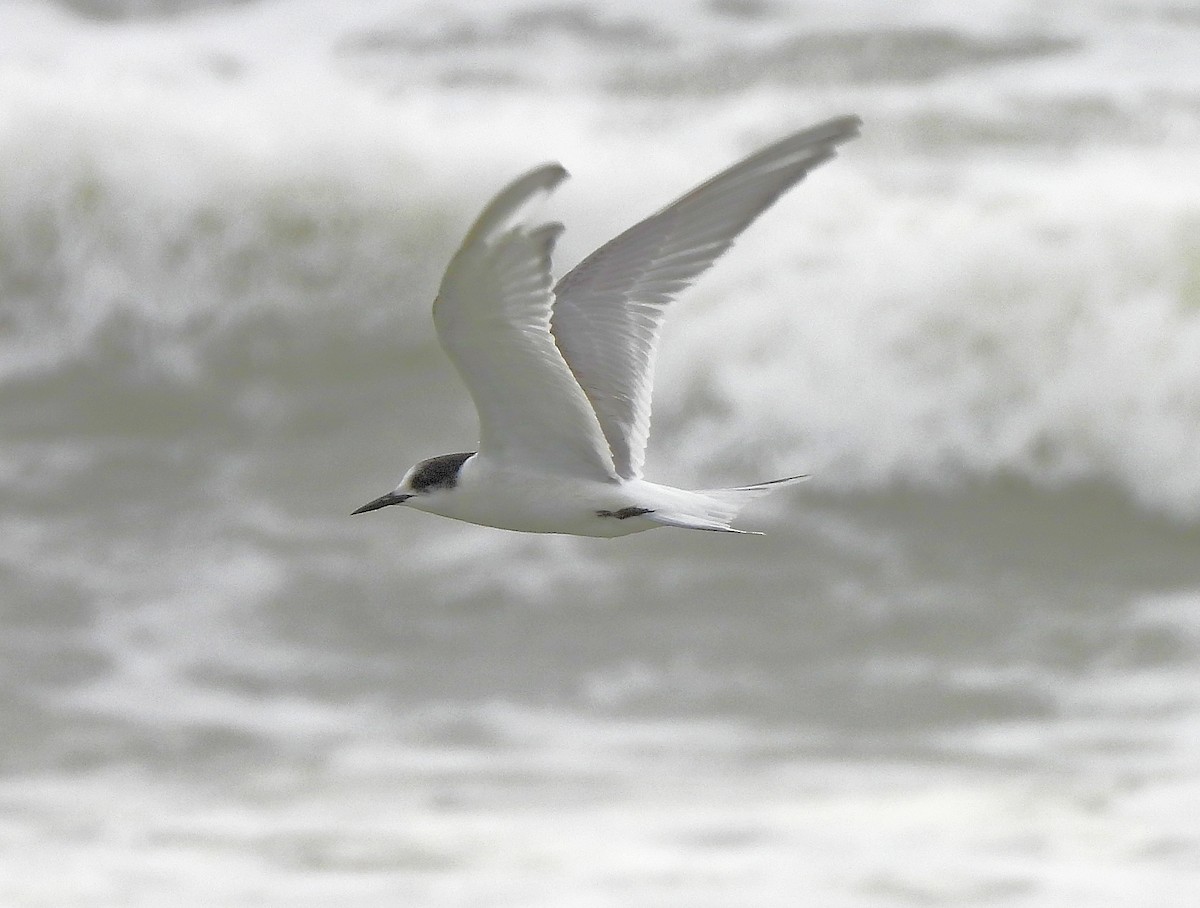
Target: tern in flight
[561,374]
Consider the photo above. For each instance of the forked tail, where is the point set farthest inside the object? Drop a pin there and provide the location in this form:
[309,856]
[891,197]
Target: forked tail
[715,509]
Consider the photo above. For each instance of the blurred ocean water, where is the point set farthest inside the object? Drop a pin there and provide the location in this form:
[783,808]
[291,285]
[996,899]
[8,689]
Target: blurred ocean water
[961,668]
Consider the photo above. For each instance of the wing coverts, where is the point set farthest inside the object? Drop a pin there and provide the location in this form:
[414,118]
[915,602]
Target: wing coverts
[492,315]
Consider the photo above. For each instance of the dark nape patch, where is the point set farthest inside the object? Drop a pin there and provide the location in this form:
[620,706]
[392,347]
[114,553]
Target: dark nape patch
[439,472]
[625,513]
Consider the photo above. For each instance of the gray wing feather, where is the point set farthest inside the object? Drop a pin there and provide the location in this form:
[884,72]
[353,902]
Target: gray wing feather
[492,315]
[608,311]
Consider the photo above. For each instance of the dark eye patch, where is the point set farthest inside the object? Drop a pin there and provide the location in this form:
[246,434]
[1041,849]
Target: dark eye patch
[438,472]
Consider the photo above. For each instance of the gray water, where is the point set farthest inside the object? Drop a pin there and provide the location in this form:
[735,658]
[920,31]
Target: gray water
[960,669]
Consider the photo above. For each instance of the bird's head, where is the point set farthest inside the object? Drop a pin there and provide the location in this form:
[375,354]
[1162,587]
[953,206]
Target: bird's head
[437,474]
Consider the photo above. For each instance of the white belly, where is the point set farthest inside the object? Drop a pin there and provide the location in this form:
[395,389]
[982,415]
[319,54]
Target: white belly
[537,504]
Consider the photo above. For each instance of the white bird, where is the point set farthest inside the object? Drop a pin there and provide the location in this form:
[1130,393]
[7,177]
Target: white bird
[561,375]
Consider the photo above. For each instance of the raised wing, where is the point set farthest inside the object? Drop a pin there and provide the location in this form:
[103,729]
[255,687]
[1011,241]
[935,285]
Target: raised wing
[492,316]
[609,310]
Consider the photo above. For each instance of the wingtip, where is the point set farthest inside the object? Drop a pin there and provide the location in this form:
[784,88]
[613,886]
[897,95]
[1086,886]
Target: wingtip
[839,129]
[812,146]
[556,172]
[849,121]
[508,204]
[546,177]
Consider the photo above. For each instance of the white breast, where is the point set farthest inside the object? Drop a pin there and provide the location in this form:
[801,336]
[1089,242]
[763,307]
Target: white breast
[501,496]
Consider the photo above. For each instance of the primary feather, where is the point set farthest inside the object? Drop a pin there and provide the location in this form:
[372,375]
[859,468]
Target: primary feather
[609,310]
